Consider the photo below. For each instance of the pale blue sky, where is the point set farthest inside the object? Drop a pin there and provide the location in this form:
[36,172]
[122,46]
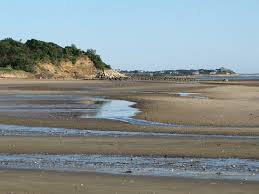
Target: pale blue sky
[144,34]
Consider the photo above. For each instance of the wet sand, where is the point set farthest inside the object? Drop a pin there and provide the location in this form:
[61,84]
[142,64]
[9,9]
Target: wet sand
[226,106]
[178,146]
[96,124]
[228,109]
[36,182]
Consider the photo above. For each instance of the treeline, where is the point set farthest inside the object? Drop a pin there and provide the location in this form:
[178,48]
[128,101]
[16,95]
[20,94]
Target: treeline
[24,56]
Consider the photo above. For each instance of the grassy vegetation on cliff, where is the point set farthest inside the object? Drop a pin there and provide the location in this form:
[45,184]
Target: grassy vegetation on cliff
[24,56]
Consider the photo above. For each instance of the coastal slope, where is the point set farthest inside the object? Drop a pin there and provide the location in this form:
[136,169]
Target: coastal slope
[47,60]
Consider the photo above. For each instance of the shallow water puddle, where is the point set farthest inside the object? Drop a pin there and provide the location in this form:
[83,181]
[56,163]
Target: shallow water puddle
[82,107]
[112,109]
[86,107]
[180,94]
[17,130]
[192,95]
[79,106]
[240,169]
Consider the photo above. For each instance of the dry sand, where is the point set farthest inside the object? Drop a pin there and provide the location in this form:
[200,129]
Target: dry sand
[33,182]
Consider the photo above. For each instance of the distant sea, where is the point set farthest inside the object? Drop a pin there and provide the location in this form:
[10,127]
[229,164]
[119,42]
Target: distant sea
[248,77]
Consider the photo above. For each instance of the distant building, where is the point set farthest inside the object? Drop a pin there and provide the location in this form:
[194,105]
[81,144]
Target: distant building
[225,71]
[196,73]
[213,72]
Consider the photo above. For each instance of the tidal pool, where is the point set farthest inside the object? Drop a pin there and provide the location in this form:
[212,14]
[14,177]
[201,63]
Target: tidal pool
[112,109]
[78,106]
[84,106]
[202,168]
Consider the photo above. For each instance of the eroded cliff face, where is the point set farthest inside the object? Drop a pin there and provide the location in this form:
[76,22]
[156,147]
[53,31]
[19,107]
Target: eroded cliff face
[84,68]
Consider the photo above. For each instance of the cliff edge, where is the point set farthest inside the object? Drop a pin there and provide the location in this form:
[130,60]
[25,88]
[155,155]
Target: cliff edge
[46,60]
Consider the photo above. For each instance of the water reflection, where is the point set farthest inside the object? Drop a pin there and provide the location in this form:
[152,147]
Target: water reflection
[112,109]
[82,106]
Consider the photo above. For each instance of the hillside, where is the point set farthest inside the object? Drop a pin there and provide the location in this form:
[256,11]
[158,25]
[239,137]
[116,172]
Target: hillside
[40,59]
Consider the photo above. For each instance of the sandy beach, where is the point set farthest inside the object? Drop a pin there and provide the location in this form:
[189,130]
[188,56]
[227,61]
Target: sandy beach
[227,109]
[135,146]
[46,182]
[205,108]
[129,97]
